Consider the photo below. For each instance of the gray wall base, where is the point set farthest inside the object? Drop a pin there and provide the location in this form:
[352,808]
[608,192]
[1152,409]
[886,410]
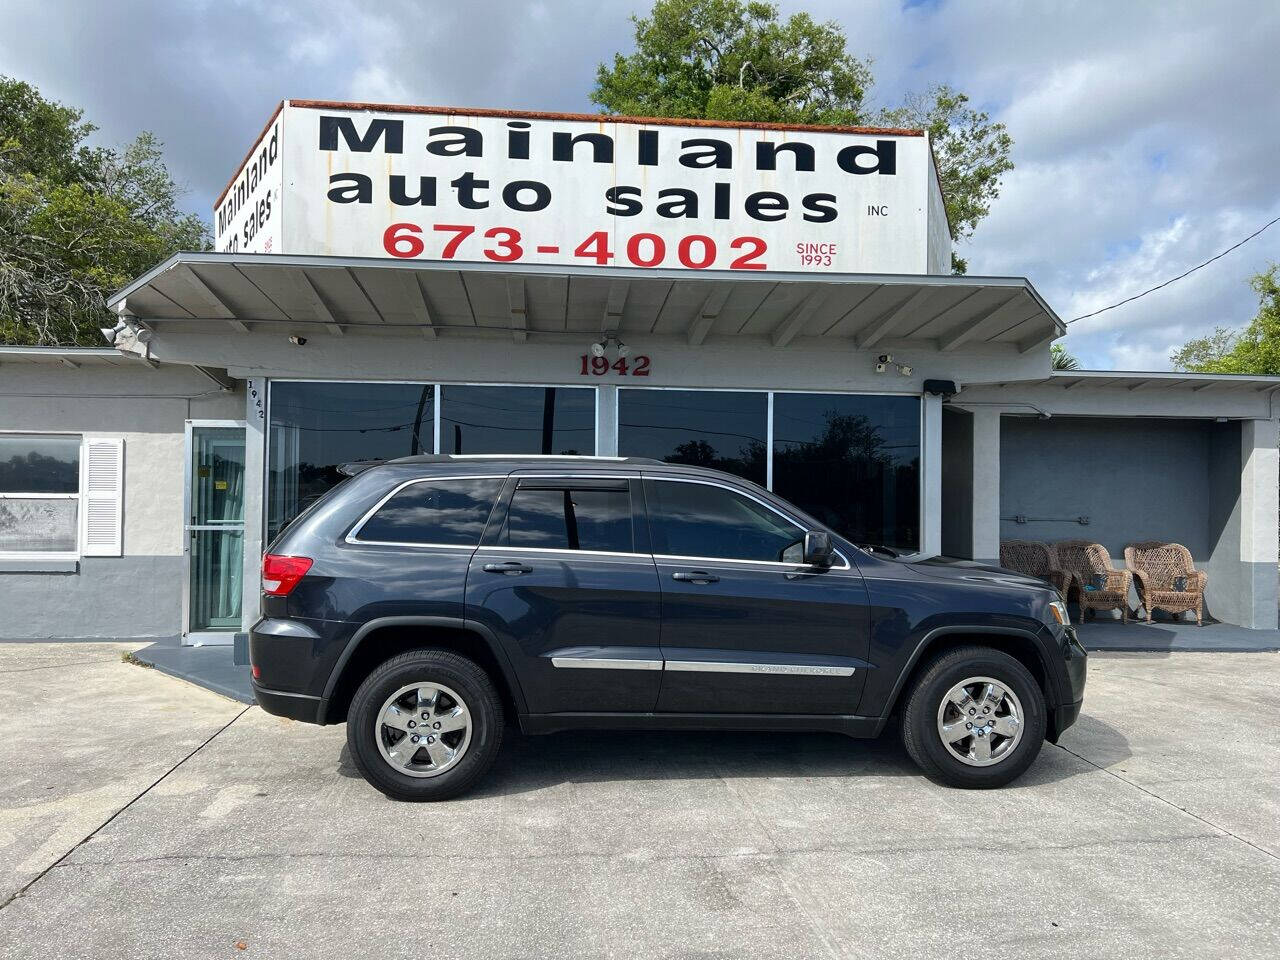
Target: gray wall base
[109,598]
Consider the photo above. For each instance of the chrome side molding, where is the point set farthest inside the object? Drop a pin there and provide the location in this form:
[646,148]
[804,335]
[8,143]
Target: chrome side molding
[604,663]
[592,660]
[794,669]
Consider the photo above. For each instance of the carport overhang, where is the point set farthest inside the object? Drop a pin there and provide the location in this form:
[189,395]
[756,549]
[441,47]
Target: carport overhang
[240,294]
[1129,393]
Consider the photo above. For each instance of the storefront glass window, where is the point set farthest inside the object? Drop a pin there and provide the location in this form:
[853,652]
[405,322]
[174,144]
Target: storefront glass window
[316,427]
[537,420]
[851,461]
[705,428]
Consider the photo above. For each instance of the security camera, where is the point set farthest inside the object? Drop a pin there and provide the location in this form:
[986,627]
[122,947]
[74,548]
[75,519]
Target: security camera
[885,358]
[298,341]
[880,367]
[904,370]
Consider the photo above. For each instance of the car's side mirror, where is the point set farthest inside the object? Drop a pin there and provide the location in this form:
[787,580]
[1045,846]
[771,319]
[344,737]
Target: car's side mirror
[818,551]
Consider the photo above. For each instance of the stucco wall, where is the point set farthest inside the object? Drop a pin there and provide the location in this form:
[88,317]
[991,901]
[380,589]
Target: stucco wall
[140,593]
[1136,479]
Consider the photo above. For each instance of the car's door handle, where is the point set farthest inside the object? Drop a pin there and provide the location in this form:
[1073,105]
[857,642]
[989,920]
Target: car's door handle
[696,576]
[512,568]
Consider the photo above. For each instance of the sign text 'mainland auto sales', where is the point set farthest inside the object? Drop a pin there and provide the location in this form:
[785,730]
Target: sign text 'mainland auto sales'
[597,192]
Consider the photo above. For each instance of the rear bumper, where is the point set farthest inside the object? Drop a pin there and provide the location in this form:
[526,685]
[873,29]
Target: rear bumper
[295,706]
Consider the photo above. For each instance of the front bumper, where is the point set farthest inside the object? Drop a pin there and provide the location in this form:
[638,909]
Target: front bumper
[1075,661]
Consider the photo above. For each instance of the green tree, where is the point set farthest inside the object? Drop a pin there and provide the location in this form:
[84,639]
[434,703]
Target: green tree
[1061,359]
[1255,349]
[76,222]
[737,61]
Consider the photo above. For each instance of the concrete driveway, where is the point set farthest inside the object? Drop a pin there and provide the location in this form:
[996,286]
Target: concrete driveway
[141,816]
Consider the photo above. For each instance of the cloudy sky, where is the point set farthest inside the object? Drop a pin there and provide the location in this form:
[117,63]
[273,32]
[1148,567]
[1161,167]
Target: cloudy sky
[1147,131]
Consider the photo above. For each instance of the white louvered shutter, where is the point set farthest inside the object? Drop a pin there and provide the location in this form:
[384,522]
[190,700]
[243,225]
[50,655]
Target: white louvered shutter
[102,497]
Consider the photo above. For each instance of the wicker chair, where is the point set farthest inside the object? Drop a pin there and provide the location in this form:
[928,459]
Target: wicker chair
[1156,569]
[1035,559]
[1103,587]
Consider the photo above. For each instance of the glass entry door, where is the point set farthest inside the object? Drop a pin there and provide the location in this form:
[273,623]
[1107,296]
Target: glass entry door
[214,531]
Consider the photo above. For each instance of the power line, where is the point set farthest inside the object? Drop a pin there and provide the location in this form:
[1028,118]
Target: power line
[1159,286]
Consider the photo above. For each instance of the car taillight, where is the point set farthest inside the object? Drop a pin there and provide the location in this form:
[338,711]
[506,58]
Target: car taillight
[281,574]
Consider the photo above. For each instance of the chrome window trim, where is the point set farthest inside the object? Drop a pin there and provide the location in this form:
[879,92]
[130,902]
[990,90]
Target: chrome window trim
[353,536]
[669,557]
[725,666]
[768,506]
[494,548]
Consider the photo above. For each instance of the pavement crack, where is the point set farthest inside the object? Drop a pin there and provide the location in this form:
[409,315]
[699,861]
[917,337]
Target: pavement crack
[559,855]
[1155,796]
[58,666]
[96,830]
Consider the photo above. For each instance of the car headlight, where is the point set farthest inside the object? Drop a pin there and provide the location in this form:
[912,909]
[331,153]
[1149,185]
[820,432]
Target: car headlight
[1059,611]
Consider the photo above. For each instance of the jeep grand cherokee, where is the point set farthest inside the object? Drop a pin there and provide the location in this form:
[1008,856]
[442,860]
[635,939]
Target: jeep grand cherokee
[424,601]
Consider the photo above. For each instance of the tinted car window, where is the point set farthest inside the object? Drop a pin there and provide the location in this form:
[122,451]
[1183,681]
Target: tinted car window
[700,520]
[435,511]
[568,519]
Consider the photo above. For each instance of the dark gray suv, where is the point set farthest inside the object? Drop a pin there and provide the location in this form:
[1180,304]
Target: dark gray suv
[426,600]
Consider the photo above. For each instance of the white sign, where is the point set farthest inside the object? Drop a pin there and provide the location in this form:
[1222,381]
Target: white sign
[501,187]
[247,217]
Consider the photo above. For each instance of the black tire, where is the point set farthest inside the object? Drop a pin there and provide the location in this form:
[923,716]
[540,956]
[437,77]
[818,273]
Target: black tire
[472,685]
[920,732]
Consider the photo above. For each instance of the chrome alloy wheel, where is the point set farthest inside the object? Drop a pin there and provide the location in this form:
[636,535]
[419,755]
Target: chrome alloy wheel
[980,721]
[423,729]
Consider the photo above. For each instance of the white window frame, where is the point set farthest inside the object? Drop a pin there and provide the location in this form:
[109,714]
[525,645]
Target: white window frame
[78,496]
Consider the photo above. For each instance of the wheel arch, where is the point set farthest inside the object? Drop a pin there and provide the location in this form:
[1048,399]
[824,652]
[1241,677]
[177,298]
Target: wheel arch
[1022,645]
[378,640]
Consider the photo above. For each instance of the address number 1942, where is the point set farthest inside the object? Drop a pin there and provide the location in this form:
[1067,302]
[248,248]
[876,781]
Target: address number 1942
[601,366]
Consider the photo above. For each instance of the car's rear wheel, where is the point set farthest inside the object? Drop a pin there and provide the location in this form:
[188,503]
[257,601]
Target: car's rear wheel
[425,725]
[975,718]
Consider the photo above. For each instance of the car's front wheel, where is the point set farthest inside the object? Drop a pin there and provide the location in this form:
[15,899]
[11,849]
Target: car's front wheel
[425,725]
[975,718]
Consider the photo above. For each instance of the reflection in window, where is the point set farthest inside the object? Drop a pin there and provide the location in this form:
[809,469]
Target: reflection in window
[39,494]
[39,464]
[704,428]
[450,512]
[851,461]
[701,520]
[569,520]
[536,420]
[316,427]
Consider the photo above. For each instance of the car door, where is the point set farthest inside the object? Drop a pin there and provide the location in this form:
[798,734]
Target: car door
[565,579]
[746,626]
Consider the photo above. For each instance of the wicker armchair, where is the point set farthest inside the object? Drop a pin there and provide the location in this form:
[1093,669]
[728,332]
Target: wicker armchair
[1157,568]
[1036,559]
[1103,587]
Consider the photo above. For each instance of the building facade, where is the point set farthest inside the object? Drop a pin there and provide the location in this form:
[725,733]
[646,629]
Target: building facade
[140,483]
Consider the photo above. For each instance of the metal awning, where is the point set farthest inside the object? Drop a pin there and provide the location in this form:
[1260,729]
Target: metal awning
[67,357]
[242,293]
[1134,380]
